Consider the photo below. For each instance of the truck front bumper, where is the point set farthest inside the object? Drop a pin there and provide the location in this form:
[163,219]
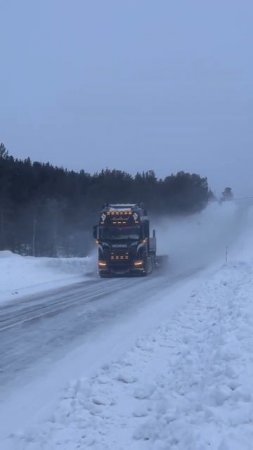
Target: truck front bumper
[121,269]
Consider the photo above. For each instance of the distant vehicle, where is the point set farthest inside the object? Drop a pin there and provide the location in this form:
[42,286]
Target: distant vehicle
[124,242]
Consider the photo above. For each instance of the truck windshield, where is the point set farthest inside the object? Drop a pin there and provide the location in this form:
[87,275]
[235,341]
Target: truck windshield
[116,233]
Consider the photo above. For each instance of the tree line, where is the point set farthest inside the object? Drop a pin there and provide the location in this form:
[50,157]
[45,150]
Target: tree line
[49,211]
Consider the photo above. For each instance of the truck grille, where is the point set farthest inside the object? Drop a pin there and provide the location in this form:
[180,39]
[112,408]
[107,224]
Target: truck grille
[119,256]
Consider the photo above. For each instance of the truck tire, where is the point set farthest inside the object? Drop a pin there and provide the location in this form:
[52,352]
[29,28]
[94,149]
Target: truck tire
[104,275]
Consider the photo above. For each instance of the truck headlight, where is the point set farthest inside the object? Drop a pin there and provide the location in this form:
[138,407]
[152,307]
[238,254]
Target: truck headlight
[102,264]
[138,263]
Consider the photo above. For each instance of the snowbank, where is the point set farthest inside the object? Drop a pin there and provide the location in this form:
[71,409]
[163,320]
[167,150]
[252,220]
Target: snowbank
[21,275]
[185,386]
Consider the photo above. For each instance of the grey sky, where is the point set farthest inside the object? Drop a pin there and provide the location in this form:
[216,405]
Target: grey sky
[133,85]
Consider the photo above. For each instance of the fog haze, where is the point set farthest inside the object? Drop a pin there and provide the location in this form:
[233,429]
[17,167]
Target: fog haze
[133,85]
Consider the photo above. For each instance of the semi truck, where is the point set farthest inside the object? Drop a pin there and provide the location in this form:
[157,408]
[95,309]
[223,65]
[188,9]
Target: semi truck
[125,246]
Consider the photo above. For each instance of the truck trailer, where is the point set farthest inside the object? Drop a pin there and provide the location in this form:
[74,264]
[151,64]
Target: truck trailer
[124,243]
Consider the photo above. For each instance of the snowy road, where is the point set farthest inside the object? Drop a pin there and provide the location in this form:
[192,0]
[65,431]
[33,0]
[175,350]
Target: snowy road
[45,327]
[52,337]
[51,303]
[47,339]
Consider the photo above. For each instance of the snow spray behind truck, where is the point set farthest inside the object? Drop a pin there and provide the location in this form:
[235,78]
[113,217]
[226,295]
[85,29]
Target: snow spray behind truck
[124,242]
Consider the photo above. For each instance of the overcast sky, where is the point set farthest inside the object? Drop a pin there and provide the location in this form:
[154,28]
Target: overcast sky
[130,84]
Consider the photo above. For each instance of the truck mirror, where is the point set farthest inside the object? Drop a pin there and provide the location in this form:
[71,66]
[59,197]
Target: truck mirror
[95,231]
[153,233]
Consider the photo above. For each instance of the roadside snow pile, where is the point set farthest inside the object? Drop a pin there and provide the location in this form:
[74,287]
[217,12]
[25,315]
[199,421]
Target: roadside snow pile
[188,386]
[21,275]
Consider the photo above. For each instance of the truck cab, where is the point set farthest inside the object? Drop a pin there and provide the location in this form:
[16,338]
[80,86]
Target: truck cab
[124,244]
